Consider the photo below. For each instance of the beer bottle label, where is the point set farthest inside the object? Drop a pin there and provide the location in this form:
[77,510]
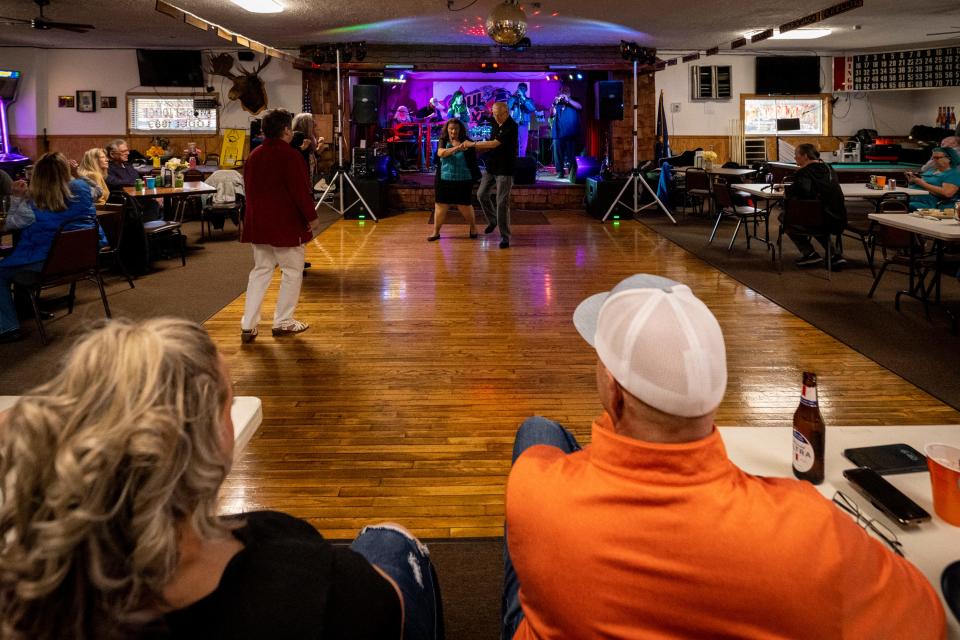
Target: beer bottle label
[803,457]
[808,396]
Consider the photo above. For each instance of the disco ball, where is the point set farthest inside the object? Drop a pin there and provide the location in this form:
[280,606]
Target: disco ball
[507,23]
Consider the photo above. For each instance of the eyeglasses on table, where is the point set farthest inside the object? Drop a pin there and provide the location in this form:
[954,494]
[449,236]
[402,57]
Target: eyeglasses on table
[847,503]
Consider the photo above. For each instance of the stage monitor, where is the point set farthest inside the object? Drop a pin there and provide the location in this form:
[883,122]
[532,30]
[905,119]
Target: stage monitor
[170,67]
[8,85]
[788,75]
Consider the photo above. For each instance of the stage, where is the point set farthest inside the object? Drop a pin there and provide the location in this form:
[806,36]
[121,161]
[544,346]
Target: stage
[414,191]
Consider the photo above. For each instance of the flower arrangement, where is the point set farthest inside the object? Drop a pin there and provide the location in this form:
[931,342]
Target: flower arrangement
[154,152]
[710,156]
[176,165]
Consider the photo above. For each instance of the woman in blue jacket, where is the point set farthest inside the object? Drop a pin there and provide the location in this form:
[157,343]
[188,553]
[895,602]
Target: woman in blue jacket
[58,201]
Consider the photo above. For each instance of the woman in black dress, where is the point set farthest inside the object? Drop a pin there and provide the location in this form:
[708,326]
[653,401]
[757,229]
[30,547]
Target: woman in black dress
[456,172]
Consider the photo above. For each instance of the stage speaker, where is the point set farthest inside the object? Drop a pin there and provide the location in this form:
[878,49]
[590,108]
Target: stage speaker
[601,194]
[525,171]
[385,168]
[366,103]
[374,191]
[609,99]
[584,167]
[364,162]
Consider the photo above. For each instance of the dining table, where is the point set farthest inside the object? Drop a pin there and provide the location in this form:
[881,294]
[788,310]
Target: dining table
[930,546]
[942,232]
[850,190]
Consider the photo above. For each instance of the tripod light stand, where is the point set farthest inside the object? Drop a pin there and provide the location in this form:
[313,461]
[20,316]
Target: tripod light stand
[340,176]
[636,180]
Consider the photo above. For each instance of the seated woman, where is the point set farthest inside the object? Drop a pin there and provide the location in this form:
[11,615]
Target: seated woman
[109,528]
[58,201]
[192,152]
[942,184]
[93,168]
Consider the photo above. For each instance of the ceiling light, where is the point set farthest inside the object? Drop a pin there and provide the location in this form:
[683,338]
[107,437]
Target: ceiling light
[803,34]
[259,6]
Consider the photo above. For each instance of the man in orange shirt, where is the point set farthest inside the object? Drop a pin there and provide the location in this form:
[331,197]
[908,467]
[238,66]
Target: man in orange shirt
[651,531]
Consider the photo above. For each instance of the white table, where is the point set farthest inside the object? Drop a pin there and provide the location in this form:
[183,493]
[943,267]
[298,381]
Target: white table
[247,414]
[930,547]
[941,232]
[849,191]
[730,172]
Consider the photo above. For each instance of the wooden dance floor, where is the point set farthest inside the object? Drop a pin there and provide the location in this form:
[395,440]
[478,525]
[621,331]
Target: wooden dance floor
[401,401]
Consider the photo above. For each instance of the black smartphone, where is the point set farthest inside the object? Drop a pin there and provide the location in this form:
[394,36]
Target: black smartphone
[886,497]
[888,459]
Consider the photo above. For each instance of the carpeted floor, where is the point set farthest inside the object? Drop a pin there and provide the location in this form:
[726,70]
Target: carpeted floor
[920,350]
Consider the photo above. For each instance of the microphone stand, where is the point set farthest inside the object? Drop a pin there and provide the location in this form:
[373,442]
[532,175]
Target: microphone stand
[341,175]
[636,180]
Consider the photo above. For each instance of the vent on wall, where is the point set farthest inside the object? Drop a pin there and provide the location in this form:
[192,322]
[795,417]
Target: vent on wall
[710,82]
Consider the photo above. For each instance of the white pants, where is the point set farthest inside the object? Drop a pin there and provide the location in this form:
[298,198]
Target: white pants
[265,260]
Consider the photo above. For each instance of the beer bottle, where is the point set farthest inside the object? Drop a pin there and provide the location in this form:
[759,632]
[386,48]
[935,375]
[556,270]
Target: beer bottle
[809,434]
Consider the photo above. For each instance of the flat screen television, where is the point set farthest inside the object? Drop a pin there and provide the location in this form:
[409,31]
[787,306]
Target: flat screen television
[170,67]
[788,75]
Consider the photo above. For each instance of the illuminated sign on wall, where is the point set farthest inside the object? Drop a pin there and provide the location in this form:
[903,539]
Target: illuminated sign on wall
[170,114]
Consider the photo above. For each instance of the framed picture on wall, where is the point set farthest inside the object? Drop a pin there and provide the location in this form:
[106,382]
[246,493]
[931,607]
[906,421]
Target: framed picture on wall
[108,102]
[66,101]
[86,101]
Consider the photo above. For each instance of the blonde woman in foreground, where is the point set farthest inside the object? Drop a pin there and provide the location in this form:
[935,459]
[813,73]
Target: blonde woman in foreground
[110,528]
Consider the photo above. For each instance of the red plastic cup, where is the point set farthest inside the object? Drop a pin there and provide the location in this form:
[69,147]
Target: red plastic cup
[944,463]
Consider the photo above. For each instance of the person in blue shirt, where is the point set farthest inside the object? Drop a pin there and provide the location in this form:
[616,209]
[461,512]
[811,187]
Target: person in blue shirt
[455,177]
[942,183]
[58,202]
[521,107]
[565,130]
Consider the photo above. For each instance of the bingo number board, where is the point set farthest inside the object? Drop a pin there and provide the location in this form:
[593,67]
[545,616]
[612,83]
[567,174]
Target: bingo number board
[170,115]
[917,69]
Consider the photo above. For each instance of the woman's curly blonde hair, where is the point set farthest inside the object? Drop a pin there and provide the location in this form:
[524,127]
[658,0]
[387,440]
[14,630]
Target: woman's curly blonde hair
[100,467]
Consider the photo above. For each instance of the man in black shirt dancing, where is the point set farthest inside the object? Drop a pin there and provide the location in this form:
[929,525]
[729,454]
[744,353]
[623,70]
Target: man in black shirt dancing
[500,162]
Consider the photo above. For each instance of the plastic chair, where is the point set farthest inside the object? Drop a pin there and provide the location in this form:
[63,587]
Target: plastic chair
[234,210]
[727,208]
[73,257]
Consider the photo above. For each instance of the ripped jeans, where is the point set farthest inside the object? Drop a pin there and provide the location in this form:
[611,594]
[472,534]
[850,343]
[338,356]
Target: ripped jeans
[407,561]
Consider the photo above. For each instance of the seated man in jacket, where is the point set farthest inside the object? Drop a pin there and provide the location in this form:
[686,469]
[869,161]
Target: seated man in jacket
[652,532]
[816,180]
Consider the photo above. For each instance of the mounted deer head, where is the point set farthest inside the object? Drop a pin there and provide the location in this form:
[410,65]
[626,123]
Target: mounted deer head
[247,87]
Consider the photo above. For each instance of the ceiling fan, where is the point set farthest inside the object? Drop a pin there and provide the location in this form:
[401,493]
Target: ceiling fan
[946,33]
[41,22]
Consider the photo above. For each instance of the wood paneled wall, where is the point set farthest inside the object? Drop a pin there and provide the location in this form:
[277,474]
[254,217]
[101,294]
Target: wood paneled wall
[75,146]
[721,144]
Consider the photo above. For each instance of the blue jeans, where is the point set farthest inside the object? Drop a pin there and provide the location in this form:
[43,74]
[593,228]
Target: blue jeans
[407,561]
[533,431]
[8,310]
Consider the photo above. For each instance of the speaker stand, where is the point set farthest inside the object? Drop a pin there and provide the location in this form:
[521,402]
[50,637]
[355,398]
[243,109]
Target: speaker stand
[636,180]
[340,176]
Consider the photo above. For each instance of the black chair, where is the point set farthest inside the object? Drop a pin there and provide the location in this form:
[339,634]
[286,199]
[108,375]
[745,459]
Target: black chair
[699,188]
[950,584]
[805,218]
[727,209]
[157,231]
[110,219]
[73,257]
[214,215]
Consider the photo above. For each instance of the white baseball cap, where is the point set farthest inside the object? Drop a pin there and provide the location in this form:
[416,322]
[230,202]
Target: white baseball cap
[660,343]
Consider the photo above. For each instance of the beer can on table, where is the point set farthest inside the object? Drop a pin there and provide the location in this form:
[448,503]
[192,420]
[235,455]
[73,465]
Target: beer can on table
[893,184]
[873,180]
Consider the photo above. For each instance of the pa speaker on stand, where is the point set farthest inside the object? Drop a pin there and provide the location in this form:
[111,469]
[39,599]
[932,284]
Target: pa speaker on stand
[366,103]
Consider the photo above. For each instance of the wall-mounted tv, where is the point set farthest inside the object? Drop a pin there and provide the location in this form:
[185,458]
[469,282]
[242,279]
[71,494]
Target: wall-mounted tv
[788,75]
[170,67]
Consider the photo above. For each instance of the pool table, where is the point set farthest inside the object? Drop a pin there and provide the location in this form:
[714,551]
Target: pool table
[860,172]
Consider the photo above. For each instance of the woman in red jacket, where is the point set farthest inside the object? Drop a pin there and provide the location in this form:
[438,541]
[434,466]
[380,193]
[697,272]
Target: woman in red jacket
[279,213]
